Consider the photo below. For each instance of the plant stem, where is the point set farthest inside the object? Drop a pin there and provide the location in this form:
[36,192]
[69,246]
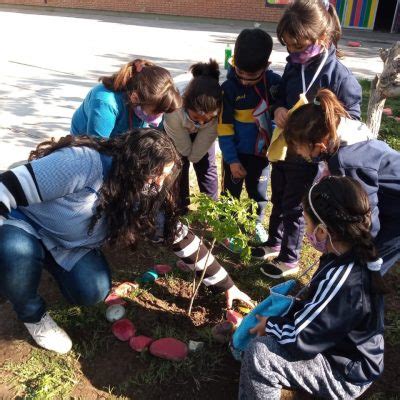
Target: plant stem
[201,277]
[197,259]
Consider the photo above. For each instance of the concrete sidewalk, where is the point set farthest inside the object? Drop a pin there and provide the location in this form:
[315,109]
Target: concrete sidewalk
[50,59]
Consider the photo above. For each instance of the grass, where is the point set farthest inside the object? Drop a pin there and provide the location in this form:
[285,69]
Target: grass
[44,375]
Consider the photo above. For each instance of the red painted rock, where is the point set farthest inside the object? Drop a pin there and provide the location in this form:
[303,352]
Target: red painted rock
[170,349]
[182,266]
[123,329]
[125,288]
[113,298]
[140,343]
[388,112]
[162,269]
[234,317]
[353,44]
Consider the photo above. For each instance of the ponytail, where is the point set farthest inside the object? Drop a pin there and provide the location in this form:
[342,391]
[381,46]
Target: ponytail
[335,29]
[313,122]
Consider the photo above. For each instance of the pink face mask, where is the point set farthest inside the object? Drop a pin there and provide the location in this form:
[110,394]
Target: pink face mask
[302,57]
[320,245]
[151,119]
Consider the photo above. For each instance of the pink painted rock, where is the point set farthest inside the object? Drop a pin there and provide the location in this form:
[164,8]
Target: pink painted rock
[123,329]
[234,317]
[353,44]
[170,349]
[140,343]
[125,288]
[222,332]
[182,266]
[388,112]
[162,269]
[113,298]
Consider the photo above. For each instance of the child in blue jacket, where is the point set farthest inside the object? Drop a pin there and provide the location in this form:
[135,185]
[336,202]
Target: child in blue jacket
[245,126]
[330,343]
[310,30]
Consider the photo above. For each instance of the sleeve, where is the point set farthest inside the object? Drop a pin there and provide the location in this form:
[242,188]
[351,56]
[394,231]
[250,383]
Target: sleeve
[56,175]
[226,130]
[175,130]
[324,320]
[279,94]
[204,140]
[186,245]
[101,119]
[350,94]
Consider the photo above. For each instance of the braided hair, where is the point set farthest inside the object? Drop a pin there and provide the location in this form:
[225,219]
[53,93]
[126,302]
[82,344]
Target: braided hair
[343,205]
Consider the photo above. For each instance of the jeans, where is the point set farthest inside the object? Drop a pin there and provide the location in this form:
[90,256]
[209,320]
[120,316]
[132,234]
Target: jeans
[22,259]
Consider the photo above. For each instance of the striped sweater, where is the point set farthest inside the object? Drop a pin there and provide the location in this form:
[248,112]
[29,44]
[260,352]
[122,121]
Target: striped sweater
[54,198]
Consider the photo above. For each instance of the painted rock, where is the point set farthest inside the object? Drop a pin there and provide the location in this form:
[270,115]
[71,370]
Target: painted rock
[169,349]
[123,329]
[182,266]
[222,332]
[162,269]
[149,277]
[195,346]
[125,288]
[113,298]
[140,343]
[234,317]
[244,310]
[115,312]
[388,112]
[353,44]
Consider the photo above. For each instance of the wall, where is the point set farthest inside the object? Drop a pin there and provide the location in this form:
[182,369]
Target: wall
[253,10]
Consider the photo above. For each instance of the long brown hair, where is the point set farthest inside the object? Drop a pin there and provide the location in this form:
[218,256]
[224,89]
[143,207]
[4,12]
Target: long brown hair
[343,205]
[126,201]
[310,20]
[313,122]
[152,84]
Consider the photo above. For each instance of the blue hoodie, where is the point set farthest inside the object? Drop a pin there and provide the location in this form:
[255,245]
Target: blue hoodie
[333,76]
[237,129]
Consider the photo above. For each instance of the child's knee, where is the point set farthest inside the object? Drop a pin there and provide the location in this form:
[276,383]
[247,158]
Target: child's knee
[93,293]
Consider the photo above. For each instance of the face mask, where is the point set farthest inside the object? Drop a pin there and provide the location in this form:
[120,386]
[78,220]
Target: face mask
[319,245]
[153,120]
[302,57]
[196,124]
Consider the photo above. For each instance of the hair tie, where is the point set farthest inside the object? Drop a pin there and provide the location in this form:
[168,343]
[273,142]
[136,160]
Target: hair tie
[325,4]
[375,265]
[139,65]
[317,102]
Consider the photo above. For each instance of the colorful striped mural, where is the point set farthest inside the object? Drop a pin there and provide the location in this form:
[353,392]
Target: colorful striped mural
[277,2]
[360,13]
[340,8]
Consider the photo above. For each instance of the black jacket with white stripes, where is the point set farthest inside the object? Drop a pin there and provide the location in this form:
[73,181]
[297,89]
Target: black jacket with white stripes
[339,318]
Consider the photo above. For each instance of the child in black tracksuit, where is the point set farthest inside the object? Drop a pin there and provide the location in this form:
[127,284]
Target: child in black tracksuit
[330,343]
[312,64]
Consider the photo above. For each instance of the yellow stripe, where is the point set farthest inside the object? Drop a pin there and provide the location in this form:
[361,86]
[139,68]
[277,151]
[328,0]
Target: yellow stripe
[244,116]
[348,14]
[372,14]
[225,129]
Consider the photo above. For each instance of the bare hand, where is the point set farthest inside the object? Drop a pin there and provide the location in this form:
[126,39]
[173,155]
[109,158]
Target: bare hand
[237,170]
[235,294]
[281,116]
[259,329]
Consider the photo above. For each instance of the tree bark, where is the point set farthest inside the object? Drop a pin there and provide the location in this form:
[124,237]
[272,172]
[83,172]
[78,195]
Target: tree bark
[384,86]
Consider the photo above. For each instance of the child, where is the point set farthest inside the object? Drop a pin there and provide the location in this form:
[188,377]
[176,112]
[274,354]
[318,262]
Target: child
[134,97]
[244,126]
[77,194]
[310,30]
[193,129]
[331,343]
[321,131]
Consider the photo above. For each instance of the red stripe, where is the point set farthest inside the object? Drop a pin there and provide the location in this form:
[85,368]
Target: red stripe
[358,12]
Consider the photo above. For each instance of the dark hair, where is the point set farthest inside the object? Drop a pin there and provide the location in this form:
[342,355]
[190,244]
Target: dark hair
[310,20]
[138,155]
[312,122]
[252,50]
[152,84]
[203,93]
[343,205]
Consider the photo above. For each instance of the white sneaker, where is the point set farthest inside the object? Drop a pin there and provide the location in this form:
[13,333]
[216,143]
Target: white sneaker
[265,252]
[47,334]
[278,269]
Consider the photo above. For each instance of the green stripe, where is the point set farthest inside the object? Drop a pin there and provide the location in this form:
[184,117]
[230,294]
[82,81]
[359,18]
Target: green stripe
[367,14]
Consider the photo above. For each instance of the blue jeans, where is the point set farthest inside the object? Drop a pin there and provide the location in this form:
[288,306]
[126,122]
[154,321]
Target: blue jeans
[22,258]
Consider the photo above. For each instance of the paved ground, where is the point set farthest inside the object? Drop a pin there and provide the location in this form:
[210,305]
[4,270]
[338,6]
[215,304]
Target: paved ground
[50,58]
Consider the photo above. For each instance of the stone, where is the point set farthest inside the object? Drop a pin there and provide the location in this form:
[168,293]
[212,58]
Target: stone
[113,298]
[162,269]
[182,266]
[244,310]
[123,329]
[140,343]
[169,349]
[115,312]
[234,317]
[222,332]
[149,276]
[388,112]
[195,346]
[125,288]
[353,44]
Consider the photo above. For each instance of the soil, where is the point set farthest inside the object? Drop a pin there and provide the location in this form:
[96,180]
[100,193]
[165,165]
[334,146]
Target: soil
[164,304]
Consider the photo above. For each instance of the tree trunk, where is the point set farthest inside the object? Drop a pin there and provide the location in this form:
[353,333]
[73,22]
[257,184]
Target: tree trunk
[383,87]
